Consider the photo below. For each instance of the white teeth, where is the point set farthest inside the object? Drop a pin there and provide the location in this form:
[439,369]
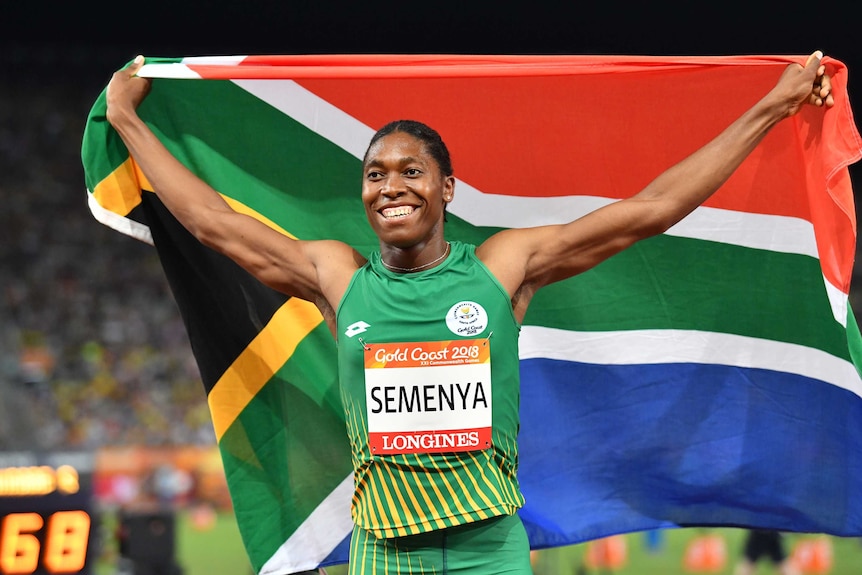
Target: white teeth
[397,212]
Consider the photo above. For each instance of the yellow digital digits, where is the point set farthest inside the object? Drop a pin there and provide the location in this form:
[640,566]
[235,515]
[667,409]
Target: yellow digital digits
[66,538]
[19,547]
[66,541]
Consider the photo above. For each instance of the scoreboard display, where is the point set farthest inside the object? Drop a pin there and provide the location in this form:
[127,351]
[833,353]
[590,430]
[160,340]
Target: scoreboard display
[46,520]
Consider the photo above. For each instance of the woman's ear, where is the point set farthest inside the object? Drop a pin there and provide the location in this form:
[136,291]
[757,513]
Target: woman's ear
[449,189]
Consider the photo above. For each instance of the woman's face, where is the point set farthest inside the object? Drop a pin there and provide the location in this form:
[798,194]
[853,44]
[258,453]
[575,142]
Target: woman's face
[404,191]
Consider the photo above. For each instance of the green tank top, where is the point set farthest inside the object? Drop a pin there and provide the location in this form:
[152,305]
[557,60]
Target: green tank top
[428,365]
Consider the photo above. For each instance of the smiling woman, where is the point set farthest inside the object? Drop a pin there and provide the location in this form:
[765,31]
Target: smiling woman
[405,190]
[436,489]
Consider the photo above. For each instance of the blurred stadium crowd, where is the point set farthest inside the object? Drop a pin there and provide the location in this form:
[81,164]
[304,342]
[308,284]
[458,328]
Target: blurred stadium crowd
[92,349]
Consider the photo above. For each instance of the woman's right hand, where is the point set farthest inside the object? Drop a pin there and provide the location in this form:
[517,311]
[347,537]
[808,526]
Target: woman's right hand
[126,91]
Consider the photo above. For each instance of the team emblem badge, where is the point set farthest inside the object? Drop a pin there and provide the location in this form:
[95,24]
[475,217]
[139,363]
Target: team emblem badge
[467,319]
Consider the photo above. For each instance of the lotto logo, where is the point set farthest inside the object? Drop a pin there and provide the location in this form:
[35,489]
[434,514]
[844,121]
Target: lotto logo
[356,328]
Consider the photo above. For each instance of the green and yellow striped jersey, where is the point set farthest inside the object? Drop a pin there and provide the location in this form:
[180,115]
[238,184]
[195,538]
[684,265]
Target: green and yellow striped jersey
[428,363]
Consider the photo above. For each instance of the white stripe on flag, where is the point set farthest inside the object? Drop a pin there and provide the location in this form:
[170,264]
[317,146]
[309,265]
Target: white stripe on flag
[181,70]
[212,60]
[313,112]
[173,71]
[117,222]
[317,536]
[657,346]
[838,300]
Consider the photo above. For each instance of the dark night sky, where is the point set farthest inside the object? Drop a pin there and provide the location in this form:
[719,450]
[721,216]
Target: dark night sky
[183,28]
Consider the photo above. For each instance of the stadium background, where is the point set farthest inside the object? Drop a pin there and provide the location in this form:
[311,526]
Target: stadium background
[93,354]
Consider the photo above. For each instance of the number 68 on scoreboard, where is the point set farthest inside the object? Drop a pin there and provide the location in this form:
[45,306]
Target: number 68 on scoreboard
[45,513]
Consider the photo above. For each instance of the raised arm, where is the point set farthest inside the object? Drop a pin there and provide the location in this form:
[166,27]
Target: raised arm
[315,271]
[527,259]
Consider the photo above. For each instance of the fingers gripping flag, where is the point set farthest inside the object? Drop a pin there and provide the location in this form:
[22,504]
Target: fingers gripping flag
[707,376]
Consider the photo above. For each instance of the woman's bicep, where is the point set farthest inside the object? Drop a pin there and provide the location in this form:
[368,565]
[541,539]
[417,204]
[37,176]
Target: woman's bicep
[565,250]
[275,259]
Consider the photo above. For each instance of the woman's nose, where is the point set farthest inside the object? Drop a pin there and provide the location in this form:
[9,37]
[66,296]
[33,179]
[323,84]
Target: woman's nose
[393,186]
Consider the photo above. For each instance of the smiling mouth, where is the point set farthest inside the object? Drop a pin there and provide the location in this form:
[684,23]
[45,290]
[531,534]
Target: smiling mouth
[394,213]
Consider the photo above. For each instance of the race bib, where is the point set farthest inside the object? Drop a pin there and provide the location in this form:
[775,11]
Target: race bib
[428,397]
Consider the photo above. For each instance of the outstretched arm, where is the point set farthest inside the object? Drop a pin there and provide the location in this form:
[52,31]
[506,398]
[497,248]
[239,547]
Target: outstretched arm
[310,270]
[527,259]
